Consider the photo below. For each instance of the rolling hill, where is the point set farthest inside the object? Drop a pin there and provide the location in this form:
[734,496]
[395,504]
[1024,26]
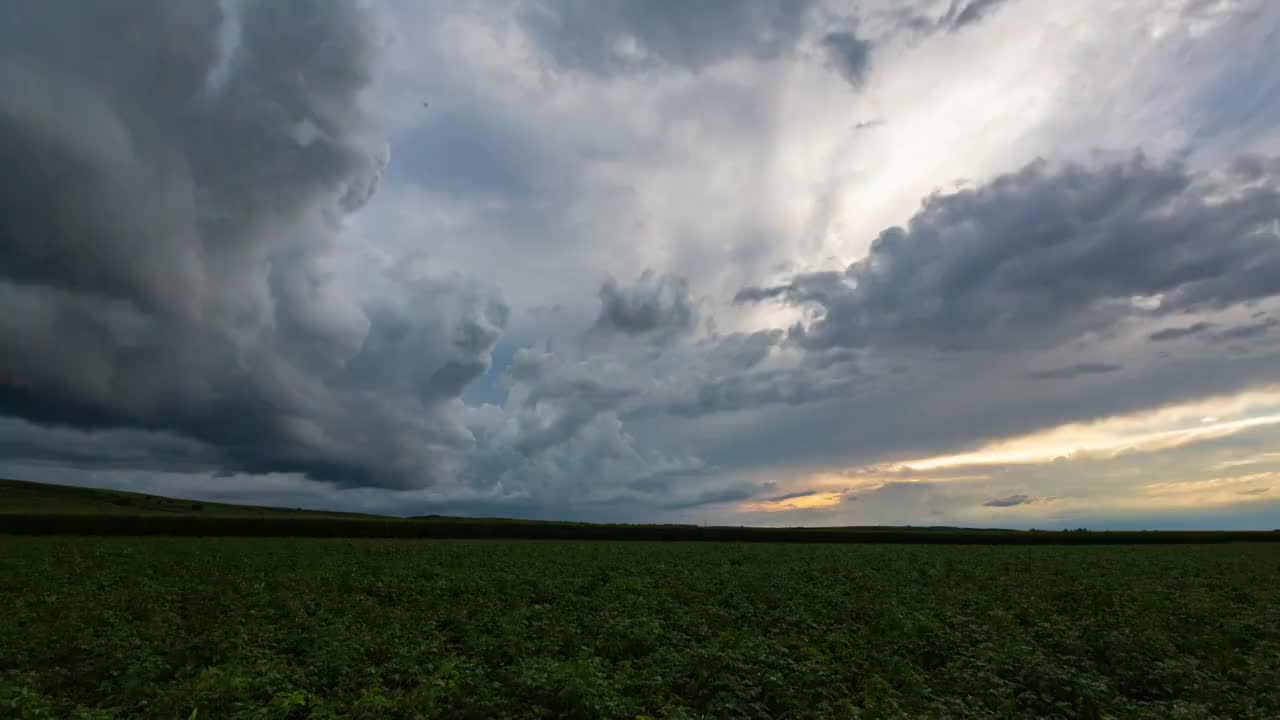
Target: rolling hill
[20,497]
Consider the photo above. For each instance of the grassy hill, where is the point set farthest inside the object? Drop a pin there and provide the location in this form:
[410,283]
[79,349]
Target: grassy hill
[19,497]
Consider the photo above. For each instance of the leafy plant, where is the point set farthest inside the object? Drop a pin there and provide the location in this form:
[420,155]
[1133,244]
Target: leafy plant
[123,628]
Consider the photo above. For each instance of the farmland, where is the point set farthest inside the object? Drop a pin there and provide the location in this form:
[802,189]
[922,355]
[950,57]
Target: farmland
[316,628]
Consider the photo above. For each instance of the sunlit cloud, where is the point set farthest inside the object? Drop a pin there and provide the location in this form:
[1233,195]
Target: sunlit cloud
[1192,494]
[801,501]
[1018,500]
[825,490]
[1252,484]
[1162,429]
[1208,454]
[1260,458]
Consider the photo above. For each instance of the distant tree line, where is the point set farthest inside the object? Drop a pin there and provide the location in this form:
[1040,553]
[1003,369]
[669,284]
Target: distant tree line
[234,526]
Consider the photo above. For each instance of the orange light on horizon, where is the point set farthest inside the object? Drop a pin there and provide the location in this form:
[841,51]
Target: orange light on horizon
[813,501]
[1153,431]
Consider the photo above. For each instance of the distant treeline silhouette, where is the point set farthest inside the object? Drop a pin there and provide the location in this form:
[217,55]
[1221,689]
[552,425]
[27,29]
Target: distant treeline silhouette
[319,527]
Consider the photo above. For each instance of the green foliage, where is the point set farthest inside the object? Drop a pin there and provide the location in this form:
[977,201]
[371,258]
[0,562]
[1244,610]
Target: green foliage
[116,628]
[191,523]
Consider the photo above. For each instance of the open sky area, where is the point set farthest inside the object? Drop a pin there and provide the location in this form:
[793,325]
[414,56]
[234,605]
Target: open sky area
[1005,263]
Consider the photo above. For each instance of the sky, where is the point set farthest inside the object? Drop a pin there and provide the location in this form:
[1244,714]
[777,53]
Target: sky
[997,263]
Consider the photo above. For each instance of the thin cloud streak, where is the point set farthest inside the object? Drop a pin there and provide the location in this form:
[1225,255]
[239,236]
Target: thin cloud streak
[1111,437]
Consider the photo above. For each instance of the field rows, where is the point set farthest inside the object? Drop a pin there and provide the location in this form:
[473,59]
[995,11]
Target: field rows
[280,628]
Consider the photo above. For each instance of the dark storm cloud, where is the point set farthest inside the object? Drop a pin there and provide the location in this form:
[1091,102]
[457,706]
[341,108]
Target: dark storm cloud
[557,396]
[654,303]
[167,222]
[879,419]
[851,56]
[1248,331]
[741,351]
[736,391]
[607,36]
[1011,501]
[1074,371]
[1177,333]
[791,496]
[566,429]
[1047,254]
[714,497]
[960,15]
[963,15]
[126,449]
[759,294]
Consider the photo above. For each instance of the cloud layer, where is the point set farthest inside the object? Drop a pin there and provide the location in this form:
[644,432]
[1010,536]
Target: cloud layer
[1047,254]
[169,233]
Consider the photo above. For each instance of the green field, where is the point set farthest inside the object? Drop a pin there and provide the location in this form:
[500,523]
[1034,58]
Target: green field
[307,628]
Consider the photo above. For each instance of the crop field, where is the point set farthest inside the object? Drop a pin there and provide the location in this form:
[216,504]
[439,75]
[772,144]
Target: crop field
[313,628]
